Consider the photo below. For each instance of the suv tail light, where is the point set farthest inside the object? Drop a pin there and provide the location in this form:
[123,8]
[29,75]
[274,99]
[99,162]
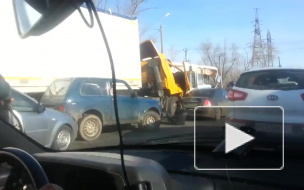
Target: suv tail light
[61,108]
[207,103]
[302,95]
[235,95]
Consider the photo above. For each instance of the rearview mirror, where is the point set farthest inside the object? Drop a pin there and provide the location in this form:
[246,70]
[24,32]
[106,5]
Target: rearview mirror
[36,17]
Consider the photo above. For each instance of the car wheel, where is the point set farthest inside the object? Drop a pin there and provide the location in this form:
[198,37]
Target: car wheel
[63,138]
[179,118]
[151,120]
[217,114]
[90,127]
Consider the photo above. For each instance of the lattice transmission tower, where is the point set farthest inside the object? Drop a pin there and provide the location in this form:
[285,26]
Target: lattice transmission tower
[258,57]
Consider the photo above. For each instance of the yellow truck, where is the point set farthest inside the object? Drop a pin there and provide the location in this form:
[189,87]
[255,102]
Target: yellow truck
[159,81]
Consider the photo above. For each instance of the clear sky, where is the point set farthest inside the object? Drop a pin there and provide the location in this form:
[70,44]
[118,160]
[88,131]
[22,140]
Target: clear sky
[194,21]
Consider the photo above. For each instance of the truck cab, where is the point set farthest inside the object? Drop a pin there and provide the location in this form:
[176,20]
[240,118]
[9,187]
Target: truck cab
[158,80]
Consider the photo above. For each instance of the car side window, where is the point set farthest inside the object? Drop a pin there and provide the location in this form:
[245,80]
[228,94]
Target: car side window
[94,88]
[122,89]
[22,104]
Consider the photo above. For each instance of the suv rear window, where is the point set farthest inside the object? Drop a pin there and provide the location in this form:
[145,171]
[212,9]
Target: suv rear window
[58,88]
[272,80]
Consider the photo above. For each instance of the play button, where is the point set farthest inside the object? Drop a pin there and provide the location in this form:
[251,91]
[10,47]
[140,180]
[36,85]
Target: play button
[237,142]
[235,138]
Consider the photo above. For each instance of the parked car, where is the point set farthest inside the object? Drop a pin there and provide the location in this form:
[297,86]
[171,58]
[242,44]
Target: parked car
[90,102]
[269,87]
[48,127]
[206,97]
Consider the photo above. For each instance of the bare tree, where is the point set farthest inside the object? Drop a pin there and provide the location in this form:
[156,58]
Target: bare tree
[246,62]
[172,53]
[101,4]
[131,8]
[227,62]
[118,6]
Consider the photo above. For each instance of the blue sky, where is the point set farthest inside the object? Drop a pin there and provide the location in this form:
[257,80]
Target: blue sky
[194,21]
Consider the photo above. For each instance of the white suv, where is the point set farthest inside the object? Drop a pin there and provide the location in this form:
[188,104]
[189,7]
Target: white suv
[269,87]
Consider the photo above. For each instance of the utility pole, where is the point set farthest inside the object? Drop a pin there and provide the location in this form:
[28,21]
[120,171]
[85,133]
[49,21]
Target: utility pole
[258,58]
[161,33]
[161,38]
[186,53]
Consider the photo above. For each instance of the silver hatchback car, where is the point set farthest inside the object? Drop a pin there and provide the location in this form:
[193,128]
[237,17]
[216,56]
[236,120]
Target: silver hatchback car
[48,127]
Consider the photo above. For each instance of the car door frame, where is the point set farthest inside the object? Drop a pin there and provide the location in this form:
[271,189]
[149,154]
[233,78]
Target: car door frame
[132,117]
[84,106]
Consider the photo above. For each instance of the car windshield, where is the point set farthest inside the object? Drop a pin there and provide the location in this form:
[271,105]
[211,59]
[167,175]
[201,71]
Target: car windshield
[256,44]
[58,88]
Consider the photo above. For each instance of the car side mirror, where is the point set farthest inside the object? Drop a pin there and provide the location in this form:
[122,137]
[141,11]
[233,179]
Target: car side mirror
[40,108]
[134,94]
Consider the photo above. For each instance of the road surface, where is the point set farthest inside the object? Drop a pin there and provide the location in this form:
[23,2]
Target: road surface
[131,135]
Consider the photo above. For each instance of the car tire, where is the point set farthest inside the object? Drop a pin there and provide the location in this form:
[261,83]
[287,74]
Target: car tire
[150,121]
[217,114]
[63,138]
[90,127]
[179,118]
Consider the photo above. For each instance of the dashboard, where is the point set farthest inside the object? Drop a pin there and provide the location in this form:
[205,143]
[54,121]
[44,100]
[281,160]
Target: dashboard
[159,170]
[74,170]
[153,169]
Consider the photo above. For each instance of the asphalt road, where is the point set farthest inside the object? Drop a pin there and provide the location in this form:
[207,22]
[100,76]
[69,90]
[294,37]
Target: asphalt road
[131,135]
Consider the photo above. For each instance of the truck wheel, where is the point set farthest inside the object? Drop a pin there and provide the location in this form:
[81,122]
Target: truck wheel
[151,120]
[217,114]
[173,105]
[63,138]
[179,118]
[90,127]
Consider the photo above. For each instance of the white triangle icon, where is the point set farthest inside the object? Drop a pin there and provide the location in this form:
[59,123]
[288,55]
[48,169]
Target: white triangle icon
[235,138]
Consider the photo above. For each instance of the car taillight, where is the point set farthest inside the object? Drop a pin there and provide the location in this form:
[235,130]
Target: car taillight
[302,95]
[61,108]
[207,103]
[234,95]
